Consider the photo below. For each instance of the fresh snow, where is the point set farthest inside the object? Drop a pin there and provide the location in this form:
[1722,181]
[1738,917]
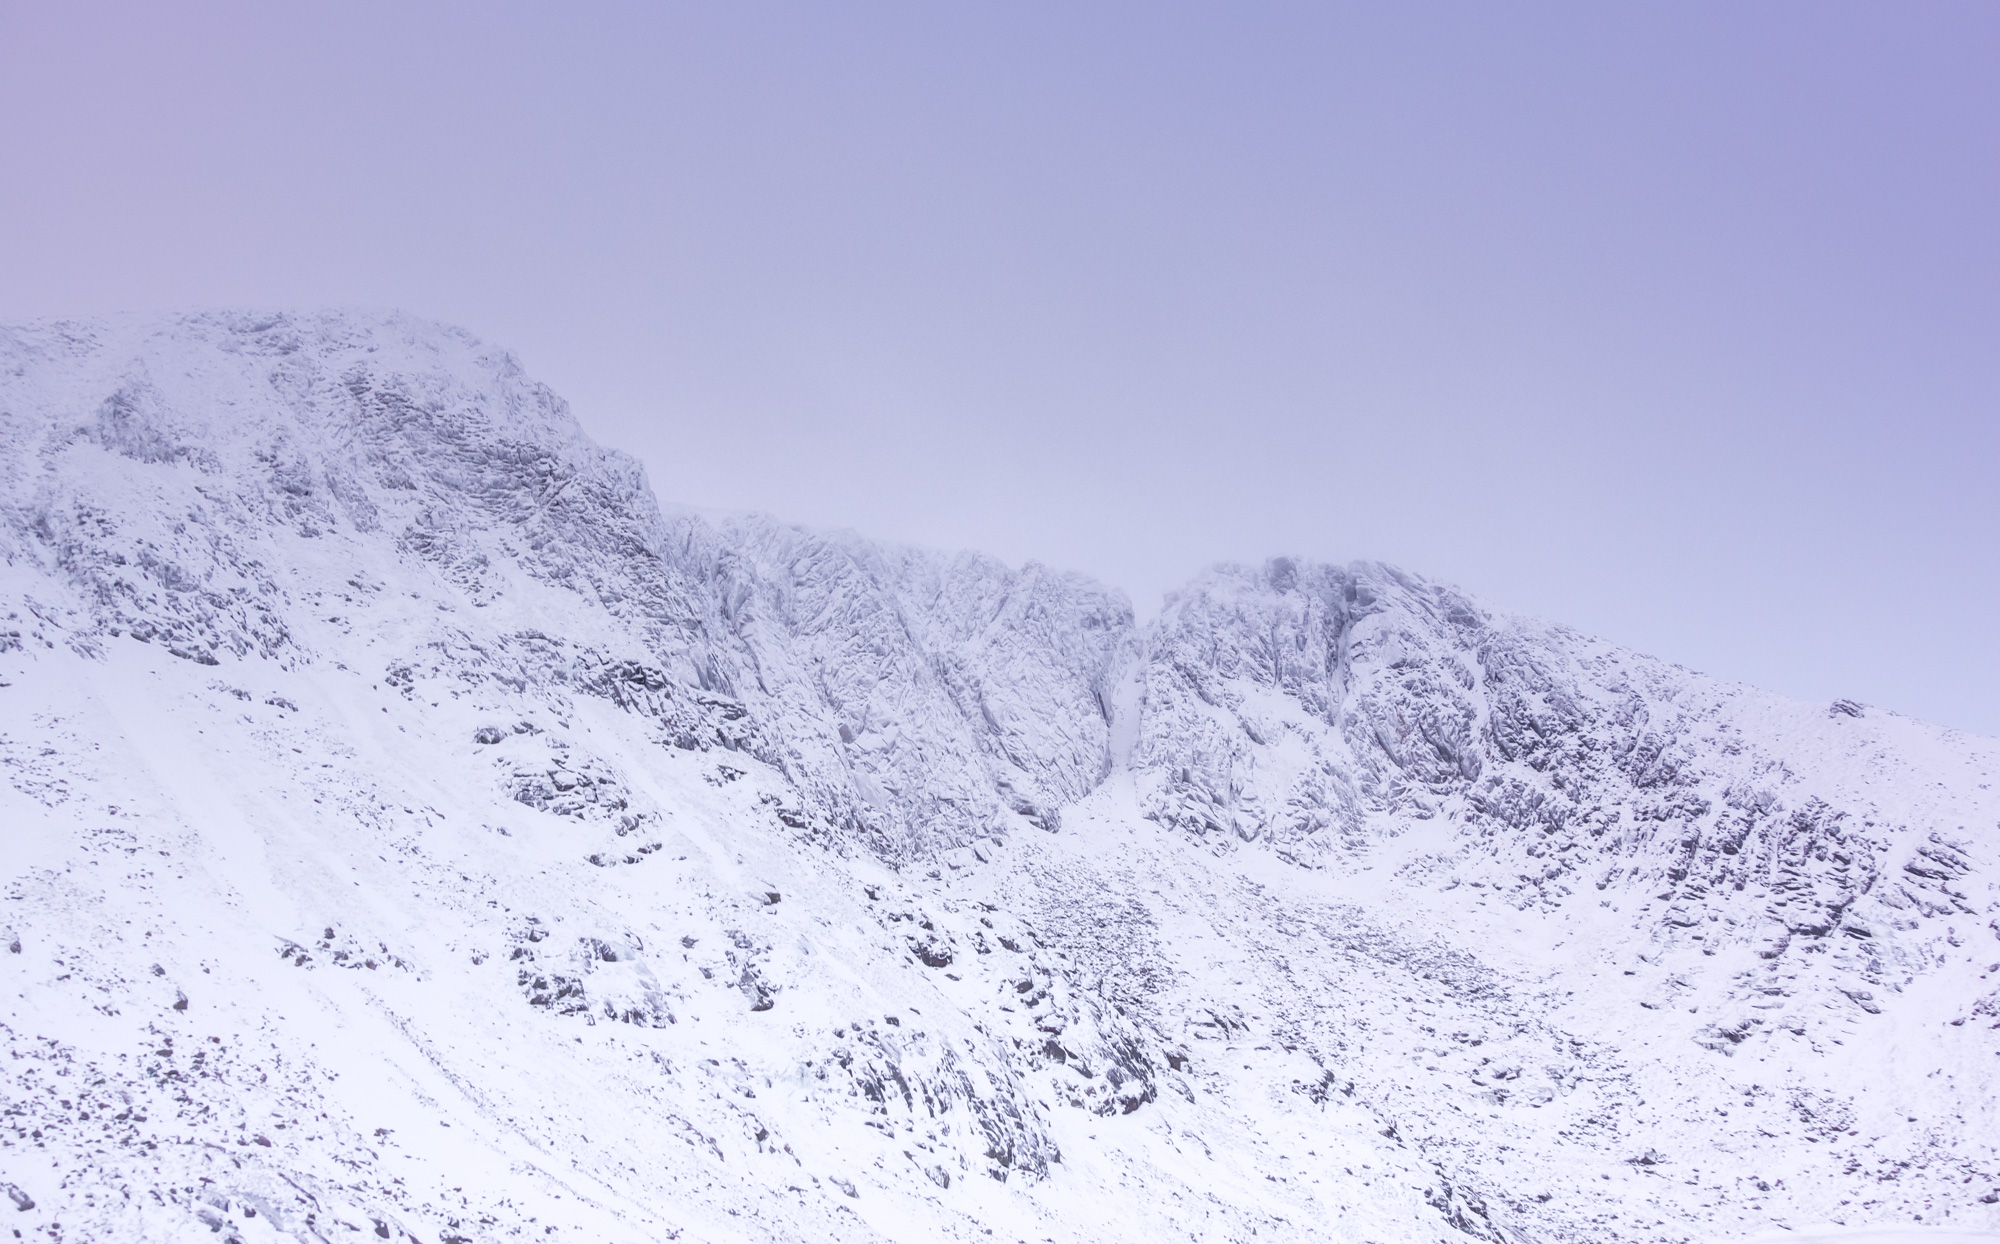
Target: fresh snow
[414,829]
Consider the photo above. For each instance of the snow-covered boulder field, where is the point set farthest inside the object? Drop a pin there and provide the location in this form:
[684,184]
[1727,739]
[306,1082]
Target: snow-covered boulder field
[413,829]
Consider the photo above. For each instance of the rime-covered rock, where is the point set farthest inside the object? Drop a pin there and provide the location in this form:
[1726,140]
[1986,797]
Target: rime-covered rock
[414,828]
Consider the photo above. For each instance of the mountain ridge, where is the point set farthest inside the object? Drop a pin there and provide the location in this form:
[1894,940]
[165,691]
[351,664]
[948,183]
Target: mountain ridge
[965,863]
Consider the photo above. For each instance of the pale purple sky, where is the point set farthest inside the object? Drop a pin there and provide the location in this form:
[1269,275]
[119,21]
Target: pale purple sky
[1679,323]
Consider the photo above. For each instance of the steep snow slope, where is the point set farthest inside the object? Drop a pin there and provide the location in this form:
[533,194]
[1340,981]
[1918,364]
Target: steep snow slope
[412,828]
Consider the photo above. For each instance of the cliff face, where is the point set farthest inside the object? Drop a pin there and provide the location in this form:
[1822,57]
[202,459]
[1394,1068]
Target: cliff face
[727,878]
[180,481]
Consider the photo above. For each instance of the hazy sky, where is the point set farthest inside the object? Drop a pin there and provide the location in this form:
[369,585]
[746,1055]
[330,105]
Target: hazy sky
[1680,323]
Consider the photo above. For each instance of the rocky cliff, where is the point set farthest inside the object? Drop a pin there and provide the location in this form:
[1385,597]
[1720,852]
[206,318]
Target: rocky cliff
[416,828]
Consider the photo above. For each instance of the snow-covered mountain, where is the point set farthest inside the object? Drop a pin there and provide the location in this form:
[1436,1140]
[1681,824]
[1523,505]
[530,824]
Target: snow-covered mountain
[413,828]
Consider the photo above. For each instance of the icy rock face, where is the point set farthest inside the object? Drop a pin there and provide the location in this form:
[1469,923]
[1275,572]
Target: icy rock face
[413,830]
[1295,703]
[1311,707]
[162,472]
[923,699]
[409,438]
[1277,701]
[1286,702]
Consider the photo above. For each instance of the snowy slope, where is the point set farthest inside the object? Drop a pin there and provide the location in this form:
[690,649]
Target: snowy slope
[412,827]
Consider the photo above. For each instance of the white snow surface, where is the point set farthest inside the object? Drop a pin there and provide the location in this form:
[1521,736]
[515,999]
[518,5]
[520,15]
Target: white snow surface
[413,829]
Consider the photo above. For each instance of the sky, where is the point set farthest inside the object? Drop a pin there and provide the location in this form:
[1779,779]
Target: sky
[1676,323]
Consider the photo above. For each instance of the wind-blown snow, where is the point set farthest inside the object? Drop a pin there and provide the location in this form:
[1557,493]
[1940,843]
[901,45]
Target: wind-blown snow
[412,827]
